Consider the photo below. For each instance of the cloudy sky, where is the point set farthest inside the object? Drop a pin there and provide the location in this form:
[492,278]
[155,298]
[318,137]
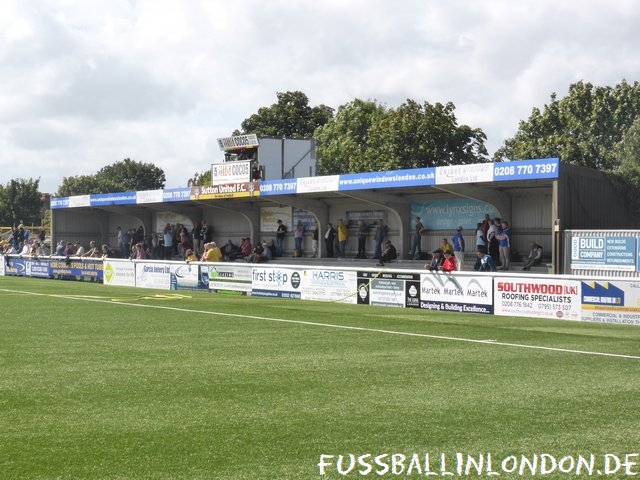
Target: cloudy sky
[87,83]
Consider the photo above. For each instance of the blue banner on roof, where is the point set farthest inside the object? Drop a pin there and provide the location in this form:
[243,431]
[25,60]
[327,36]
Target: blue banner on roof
[105,199]
[390,179]
[526,169]
[176,194]
[59,202]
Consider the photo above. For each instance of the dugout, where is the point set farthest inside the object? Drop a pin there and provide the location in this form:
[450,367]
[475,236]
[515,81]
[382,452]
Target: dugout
[540,198]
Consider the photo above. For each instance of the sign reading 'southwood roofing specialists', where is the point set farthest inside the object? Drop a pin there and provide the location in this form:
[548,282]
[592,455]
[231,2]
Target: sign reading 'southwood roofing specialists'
[603,253]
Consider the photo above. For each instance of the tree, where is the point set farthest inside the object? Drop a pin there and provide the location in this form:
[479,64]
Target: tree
[20,202]
[202,178]
[365,136]
[133,176]
[125,176]
[422,135]
[582,128]
[343,140]
[626,179]
[86,184]
[291,117]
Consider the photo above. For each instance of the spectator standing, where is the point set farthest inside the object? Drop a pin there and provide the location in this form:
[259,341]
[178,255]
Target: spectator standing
[329,237]
[298,232]
[363,231]
[458,248]
[378,237]
[504,239]
[418,232]
[481,239]
[314,237]
[167,236]
[492,239]
[343,235]
[281,232]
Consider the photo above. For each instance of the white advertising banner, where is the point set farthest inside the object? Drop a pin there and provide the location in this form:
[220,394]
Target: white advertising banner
[184,276]
[153,275]
[229,277]
[329,285]
[274,281]
[451,292]
[613,301]
[538,297]
[119,272]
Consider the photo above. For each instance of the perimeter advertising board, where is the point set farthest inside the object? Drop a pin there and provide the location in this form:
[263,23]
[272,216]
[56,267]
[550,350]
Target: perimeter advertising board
[463,293]
[614,301]
[274,281]
[328,285]
[228,278]
[538,297]
[604,253]
[119,272]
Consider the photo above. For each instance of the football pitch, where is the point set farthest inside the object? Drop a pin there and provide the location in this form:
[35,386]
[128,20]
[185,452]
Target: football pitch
[101,382]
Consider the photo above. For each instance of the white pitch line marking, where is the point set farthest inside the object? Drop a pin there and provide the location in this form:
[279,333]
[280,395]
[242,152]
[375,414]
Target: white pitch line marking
[330,325]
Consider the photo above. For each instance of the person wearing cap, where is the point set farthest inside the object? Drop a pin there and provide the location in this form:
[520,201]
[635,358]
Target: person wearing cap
[458,248]
[436,261]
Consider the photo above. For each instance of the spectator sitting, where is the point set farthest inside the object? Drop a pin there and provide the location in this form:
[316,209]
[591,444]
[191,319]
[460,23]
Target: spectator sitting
[446,246]
[60,248]
[93,250]
[436,261]
[389,253]
[449,263]
[535,256]
[212,253]
[78,250]
[231,251]
[189,256]
[261,253]
[484,263]
[106,251]
[245,247]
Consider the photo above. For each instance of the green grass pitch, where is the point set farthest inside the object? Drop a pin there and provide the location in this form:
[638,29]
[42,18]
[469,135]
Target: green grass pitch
[102,382]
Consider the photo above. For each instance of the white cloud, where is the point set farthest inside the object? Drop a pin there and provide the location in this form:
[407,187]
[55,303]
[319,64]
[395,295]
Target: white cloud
[86,84]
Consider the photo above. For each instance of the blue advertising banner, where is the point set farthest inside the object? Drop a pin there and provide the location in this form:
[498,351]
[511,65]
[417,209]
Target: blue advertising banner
[104,199]
[55,267]
[176,194]
[604,253]
[526,169]
[416,177]
[278,187]
[390,179]
[59,202]
[448,214]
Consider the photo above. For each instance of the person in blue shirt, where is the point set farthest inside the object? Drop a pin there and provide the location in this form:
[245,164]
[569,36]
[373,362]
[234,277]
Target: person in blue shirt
[458,248]
[484,263]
